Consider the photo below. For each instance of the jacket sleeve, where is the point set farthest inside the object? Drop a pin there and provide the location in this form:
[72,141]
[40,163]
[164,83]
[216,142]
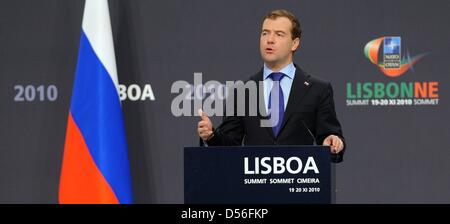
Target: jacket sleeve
[327,122]
[229,133]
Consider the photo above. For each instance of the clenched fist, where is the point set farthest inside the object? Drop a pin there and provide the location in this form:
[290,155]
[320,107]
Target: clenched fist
[335,143]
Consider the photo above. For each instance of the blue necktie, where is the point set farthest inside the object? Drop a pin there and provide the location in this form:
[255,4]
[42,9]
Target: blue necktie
[277,76]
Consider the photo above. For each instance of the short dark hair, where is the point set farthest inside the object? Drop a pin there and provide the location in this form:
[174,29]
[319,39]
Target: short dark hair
[296,30]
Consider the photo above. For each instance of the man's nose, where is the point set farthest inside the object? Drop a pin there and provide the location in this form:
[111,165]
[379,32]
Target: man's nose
[271,39]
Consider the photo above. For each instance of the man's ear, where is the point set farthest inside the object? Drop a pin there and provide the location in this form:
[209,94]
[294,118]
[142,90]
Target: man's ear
[296,44]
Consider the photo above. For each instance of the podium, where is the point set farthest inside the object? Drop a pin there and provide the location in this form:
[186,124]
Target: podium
[257,175]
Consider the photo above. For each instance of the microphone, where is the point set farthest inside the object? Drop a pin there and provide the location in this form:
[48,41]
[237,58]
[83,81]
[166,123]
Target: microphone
[309,131]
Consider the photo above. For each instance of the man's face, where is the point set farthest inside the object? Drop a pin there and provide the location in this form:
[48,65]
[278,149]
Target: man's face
[276,44]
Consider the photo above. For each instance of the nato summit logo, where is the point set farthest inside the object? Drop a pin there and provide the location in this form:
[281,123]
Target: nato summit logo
[391,52]
[393,64]
[387,54]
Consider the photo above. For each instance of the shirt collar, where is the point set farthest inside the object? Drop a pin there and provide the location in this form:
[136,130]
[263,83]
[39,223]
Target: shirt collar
[288,70]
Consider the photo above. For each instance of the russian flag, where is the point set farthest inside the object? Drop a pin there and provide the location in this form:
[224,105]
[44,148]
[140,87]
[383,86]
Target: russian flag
[95,166]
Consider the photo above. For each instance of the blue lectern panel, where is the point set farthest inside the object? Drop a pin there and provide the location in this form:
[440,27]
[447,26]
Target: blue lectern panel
[281,174]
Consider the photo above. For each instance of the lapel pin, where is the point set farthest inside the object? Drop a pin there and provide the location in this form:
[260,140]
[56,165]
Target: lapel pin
[306,83]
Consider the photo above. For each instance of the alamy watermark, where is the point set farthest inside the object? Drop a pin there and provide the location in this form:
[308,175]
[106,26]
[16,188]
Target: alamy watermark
[233,98]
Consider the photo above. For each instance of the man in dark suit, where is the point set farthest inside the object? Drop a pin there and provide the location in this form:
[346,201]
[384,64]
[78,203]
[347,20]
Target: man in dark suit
[306,106]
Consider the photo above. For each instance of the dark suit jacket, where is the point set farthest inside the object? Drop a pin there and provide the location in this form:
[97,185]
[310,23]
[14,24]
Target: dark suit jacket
[310,103]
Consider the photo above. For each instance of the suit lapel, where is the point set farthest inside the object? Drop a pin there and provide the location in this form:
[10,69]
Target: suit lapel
[300,87]
[259,78]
